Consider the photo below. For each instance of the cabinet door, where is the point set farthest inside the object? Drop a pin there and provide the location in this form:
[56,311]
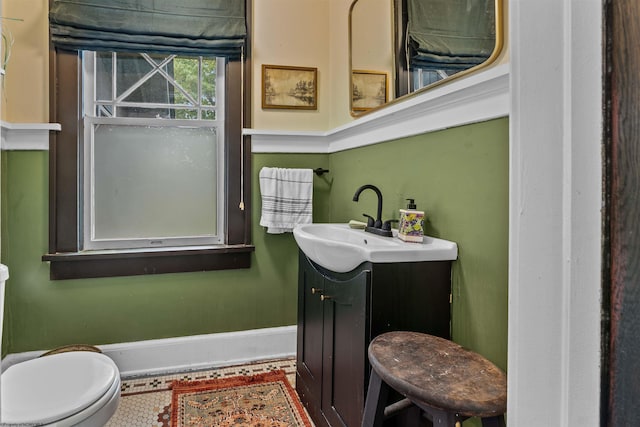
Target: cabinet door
[309,350]
[346,336]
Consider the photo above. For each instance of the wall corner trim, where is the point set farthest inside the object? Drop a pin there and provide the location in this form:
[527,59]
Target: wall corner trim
[26,136]
[479,97]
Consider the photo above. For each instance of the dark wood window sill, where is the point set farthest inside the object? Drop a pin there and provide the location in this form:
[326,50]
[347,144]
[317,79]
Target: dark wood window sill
[92,264]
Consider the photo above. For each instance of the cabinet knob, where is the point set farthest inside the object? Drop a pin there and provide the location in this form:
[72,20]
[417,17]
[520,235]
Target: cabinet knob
[316,290]
[324,297]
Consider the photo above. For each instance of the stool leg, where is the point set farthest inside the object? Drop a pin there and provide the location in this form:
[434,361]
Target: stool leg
[439,417]
[497,421]
[442,418]
[376,401]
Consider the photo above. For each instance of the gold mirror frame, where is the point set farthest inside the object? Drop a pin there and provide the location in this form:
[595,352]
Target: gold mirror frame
[356,112]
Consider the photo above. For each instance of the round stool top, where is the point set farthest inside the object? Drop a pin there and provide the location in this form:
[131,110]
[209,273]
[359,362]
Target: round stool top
[440,373]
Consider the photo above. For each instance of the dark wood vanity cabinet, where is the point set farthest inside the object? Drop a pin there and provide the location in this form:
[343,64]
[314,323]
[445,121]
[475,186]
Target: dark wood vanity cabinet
[340,313]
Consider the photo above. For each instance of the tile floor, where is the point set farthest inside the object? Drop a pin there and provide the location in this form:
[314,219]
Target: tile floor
[145,400]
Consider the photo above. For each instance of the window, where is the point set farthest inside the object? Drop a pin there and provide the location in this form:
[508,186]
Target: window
[152,147]
[149,173]
[423,77]
[437,39]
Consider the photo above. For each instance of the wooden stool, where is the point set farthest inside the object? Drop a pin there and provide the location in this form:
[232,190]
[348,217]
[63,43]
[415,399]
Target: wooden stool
[446,381]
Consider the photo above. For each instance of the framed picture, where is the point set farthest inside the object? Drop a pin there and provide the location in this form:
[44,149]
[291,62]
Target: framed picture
[289,87]
[369,89]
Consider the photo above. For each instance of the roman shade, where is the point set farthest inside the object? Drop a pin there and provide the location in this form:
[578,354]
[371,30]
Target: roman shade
[189,27]
[450,35]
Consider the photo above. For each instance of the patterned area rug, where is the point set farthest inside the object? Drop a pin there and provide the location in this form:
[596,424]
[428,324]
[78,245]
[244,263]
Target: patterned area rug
[146,399]
[264,400]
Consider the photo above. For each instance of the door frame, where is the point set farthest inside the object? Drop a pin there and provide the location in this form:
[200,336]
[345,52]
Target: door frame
[555,219]
[621,272]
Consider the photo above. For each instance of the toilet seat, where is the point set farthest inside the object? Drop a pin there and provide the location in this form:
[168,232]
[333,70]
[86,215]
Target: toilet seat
[57,387]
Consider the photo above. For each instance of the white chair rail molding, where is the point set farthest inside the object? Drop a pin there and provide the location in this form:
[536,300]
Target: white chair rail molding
[26,136]
[479,97]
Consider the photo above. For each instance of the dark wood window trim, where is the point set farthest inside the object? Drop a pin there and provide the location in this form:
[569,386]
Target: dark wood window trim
[620,366]
[67,261]
[402,73]
[76,265]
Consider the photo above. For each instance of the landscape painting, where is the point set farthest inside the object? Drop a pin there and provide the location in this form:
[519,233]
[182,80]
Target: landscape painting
[289,87]
[369,90]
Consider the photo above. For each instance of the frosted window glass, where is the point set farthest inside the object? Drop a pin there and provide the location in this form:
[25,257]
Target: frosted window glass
[153,183]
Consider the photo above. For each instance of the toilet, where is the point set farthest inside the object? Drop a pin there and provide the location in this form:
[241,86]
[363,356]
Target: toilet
[76,388]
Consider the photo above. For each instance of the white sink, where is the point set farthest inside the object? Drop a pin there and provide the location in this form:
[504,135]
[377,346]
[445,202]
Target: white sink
[339,248]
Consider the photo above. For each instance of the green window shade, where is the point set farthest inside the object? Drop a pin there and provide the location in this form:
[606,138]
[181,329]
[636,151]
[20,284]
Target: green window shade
[189,27]
[450,35]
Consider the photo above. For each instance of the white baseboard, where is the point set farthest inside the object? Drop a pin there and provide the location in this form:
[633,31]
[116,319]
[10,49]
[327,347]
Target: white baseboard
[192,352]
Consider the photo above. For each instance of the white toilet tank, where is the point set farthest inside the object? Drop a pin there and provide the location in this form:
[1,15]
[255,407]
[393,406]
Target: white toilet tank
[4,275]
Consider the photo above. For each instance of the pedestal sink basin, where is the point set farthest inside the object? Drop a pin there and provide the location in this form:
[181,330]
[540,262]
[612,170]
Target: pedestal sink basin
[339,248]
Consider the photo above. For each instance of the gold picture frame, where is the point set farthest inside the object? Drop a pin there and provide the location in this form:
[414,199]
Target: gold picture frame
[370,89]
[285,87]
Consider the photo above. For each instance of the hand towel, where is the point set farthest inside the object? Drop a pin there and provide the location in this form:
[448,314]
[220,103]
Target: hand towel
[287,196]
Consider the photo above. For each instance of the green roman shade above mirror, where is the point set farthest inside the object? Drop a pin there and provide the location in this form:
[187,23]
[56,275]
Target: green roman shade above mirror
[450,35]
[189,27]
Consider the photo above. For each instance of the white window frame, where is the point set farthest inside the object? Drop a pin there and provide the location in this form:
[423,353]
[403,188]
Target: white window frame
[87,204]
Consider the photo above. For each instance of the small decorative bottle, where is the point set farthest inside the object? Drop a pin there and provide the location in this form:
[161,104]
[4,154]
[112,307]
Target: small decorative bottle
[411,227]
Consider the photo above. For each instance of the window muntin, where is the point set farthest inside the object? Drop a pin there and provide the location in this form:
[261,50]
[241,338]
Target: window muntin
[155,86]
[423,77]
[153,151]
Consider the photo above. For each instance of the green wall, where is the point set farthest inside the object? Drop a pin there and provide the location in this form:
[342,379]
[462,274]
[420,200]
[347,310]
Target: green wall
[42,314]
[458,176]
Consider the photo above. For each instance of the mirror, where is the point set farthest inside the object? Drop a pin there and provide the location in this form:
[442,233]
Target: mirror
[401,47]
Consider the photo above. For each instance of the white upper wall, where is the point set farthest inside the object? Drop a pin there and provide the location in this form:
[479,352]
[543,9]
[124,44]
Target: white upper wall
[306,33]
[26,83]
[293,33]
[313,33]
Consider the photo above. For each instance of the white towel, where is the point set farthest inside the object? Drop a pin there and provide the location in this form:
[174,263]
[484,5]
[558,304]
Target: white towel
[287,196]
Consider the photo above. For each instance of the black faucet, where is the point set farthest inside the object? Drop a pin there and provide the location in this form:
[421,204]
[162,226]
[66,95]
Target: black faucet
[375,226]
